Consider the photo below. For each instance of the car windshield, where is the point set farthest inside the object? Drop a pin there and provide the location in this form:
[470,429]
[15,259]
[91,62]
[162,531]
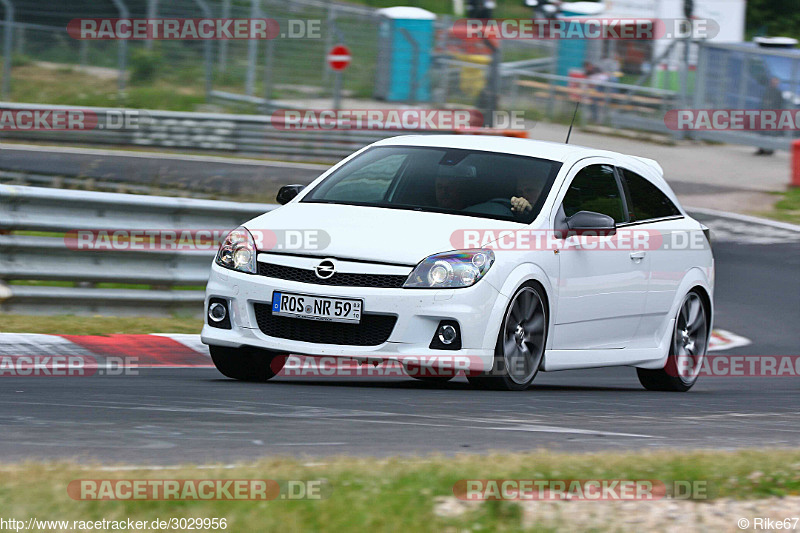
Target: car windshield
[442,180]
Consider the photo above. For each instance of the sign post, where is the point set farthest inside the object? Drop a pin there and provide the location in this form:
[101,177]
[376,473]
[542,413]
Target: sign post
[338,59]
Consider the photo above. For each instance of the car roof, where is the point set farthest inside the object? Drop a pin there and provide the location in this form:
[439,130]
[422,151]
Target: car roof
[527,147]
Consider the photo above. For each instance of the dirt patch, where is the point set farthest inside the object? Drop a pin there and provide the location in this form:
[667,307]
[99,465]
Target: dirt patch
[721,515]
[102,73]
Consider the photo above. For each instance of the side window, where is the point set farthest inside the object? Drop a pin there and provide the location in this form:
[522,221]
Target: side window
[595,188]
[369,183]
[646,200]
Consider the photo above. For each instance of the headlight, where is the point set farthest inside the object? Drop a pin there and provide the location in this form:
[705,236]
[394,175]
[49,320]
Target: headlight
[238,251]
[450,269]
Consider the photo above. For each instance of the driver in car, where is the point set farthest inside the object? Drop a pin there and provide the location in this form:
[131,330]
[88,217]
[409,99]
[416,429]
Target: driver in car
[528,191]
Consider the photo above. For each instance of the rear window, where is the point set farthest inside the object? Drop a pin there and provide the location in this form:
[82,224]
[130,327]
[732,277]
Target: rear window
[646,201]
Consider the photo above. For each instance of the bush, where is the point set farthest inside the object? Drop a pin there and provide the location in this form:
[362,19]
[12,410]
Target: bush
[20,60]
[145,64]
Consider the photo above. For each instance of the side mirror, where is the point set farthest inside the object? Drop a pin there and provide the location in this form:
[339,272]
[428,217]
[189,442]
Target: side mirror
[288,192]
[589,221]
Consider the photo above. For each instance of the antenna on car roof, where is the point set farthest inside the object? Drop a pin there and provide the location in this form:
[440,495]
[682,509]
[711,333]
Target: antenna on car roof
[577,104]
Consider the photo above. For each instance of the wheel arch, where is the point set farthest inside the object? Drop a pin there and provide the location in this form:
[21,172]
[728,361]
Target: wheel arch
[525,273]
[696,280]
[706,297]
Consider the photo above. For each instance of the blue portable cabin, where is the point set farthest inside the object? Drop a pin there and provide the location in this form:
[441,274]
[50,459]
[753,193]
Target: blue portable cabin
[571,53]
[397,56]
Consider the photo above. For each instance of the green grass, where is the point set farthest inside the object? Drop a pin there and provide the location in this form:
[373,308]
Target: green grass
[97,325]
[787,208]
[68,86]
[396,494]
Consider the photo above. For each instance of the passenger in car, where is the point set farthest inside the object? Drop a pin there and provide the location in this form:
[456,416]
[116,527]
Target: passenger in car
[452,186]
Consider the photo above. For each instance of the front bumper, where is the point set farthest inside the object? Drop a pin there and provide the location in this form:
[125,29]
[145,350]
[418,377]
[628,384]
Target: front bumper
[418,313]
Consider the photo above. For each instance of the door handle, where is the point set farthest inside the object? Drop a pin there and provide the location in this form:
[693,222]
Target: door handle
[637,256]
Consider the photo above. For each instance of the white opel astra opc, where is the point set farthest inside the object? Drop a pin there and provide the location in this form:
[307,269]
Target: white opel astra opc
[519,255]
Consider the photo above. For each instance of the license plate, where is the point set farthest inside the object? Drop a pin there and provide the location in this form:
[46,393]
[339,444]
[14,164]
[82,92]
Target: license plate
[316,307]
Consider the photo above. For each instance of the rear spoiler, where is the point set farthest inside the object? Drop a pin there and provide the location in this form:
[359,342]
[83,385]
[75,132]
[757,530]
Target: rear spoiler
[706,232]
[652,163]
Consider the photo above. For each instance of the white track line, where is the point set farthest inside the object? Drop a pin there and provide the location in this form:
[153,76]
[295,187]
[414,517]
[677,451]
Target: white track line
[744,218]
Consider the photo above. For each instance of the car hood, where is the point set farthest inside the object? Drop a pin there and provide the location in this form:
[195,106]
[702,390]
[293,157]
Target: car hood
[396,236]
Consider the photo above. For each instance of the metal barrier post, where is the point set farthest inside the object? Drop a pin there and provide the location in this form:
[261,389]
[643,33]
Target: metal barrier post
[268,71]
[493,82]
[122,50]
[8,32]
[331,27]
[207,52]
[83,52]
[252,52]
[152,12]
[700,76]
[223,44]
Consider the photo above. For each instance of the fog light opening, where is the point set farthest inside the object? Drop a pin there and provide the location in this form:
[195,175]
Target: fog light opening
[217,312]
[447,334]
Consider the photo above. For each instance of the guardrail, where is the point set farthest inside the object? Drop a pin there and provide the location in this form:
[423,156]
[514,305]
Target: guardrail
[63,181]
[33,250]
[251,135]
[602,101]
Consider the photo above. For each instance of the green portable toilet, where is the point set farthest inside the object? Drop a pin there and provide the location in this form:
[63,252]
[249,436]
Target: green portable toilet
[405,43]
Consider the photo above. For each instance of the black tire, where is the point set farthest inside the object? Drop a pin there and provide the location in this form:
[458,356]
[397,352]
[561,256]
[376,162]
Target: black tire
[246,363]
[498,377]
[673,377]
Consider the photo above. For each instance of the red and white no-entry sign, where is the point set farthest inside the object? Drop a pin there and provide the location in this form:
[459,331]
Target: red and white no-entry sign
[339,57]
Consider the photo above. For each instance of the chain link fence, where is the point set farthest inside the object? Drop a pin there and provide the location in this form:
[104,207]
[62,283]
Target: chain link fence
[290,67]
[745,76]
[543,76]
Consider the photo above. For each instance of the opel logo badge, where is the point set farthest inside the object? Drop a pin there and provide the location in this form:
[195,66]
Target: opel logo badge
[325,270]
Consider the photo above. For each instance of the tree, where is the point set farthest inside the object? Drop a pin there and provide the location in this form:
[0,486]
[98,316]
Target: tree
[773,17]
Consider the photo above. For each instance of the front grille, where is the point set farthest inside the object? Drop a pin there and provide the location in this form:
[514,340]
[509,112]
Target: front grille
[303,275]
[372,331]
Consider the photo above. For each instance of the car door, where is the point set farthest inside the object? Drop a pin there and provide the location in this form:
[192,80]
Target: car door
[602,282]
[651,211]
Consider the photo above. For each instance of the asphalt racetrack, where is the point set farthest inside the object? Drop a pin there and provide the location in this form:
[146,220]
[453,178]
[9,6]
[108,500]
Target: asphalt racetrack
[168,416]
